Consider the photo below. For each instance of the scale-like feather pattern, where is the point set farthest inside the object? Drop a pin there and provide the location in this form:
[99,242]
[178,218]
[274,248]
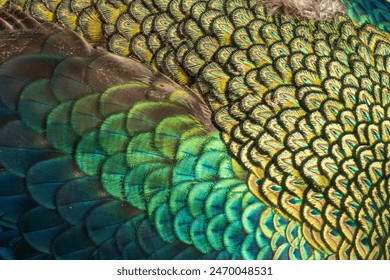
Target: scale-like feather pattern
[302,105]
[297,102]
[103,158]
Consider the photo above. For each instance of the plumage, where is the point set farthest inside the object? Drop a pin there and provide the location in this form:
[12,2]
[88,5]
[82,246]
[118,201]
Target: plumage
[129,179]
[301,106]
[375,12]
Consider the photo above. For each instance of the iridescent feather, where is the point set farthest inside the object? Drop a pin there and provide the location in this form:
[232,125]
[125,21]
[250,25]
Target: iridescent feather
[314,95]
[140,171]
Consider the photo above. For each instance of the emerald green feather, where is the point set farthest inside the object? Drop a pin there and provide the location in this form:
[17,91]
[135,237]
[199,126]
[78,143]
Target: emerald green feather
[114,172]
[89,155]
[35,106]
[58,124]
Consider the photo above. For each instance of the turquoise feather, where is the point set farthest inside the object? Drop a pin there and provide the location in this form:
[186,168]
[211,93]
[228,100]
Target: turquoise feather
[375,12]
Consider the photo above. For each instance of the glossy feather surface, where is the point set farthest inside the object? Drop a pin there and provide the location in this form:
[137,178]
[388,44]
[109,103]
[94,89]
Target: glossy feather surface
[103,158]
[376,12]
[301,105]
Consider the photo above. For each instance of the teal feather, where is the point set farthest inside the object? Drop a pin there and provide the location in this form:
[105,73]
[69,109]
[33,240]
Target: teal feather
[250,249]
[215,203]
[108,250]
[170,251]
[233,206]
[127,241]
[233,237]
[223,255]
[164,223]
[198,232]
[251,217]
[34,106]
[13,201]
[182,223]
[40,227]
[73,208]
[103,221]
[197,197]
[206,165]
[375,12]
[149,240]
[43,183]
[20,148]
[73,244]
[191,253]
[6,254]
[216,230]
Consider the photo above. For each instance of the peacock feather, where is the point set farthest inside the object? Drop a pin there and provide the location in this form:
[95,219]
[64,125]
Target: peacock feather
[376,12]
[103,158]
[301,105]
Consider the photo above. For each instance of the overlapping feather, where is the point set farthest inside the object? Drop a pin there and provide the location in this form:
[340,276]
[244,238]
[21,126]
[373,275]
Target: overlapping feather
[302,105]
[103,158]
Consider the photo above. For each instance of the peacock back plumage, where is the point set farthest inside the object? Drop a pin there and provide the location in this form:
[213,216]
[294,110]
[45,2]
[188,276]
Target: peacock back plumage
[103,158]
[301,105]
